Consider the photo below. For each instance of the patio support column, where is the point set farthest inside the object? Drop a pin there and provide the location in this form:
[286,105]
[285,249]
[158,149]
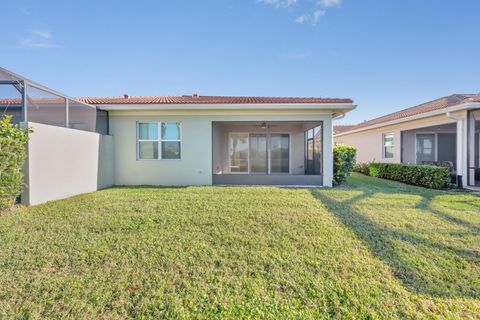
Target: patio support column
[66,114]
[24,101]
[461,152]
[327,167]
[471,149]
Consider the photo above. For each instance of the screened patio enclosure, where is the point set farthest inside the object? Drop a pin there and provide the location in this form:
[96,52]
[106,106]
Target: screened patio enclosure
[267,153]
[27,101]
[474,148]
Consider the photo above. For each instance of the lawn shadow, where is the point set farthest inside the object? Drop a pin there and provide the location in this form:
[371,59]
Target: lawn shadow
[383,242]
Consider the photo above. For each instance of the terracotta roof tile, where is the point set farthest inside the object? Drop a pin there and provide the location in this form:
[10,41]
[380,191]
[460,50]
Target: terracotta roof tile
[441,103]
[342,128]
[207,100]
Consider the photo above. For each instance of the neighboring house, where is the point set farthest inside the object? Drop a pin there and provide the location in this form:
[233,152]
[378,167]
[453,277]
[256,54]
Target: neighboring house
[445,129]
[164,140]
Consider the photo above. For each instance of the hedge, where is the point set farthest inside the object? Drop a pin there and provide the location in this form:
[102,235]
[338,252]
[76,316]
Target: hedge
[12,158]
[421,175]
[343,162]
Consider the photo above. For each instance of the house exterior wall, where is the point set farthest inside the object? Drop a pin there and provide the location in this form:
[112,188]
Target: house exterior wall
[369,143]
[195,165]
[63,162]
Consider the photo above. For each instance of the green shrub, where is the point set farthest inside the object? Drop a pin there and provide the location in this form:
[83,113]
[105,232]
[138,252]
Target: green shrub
[12,158]
[363,168]
[420,175]
[343,162]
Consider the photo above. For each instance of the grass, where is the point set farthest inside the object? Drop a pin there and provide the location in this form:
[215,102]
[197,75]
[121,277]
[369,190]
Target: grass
[375,249]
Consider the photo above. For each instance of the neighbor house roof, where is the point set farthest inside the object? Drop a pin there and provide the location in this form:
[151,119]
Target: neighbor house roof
[197,99]
[342,128]
[438,104]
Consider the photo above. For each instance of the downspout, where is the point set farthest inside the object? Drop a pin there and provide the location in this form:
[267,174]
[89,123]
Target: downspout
[341,116]
[459,168]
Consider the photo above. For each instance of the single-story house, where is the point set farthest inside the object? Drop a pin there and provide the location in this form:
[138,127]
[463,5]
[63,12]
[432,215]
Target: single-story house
[445,130]
[171,140]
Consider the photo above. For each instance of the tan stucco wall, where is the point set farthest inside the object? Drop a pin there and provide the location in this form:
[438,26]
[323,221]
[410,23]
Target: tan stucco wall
[63,162]
[369,143]
[195,167]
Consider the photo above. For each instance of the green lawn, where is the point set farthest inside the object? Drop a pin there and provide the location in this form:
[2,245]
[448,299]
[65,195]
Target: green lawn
[372,249]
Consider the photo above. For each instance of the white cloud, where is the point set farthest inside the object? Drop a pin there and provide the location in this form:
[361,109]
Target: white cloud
[329,3]
[319,9]
[312,18]
[39,39]
[279,3]
[317,15]
[302,19]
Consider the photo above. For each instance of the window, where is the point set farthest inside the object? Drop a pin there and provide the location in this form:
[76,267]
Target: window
[388,147]
[159,141]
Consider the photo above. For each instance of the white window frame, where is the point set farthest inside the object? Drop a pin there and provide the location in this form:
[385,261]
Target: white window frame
[159,140]
[268,137]
[384,135]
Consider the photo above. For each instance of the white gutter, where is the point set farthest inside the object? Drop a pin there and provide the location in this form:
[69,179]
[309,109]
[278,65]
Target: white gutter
[463,106]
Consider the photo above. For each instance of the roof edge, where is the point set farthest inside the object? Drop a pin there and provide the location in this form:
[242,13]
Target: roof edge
[458,107]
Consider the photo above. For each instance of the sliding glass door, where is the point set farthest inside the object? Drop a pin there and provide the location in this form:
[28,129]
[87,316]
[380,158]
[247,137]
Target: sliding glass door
[258,153]
[280,153]
[250,153]
[426,151]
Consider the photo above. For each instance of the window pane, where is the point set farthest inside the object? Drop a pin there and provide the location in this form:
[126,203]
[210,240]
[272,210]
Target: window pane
[310,150]
[258,153]
[170,150]
[148,131]
[388,152]
[310,134]
[148,150]
[317,150]
[239,152]
[279,153]
[170,131]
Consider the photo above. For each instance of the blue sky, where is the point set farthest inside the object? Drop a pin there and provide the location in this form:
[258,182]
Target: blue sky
[385,54]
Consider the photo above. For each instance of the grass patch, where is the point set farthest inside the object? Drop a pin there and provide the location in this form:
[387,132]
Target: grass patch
[377,249]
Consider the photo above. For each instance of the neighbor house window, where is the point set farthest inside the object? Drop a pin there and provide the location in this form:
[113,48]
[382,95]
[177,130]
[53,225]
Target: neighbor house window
[388,146]
[159,141]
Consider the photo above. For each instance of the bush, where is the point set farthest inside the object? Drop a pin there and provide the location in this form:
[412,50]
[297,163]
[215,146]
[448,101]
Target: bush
[363,168]
[343,162]
[420,175]
[12,158]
